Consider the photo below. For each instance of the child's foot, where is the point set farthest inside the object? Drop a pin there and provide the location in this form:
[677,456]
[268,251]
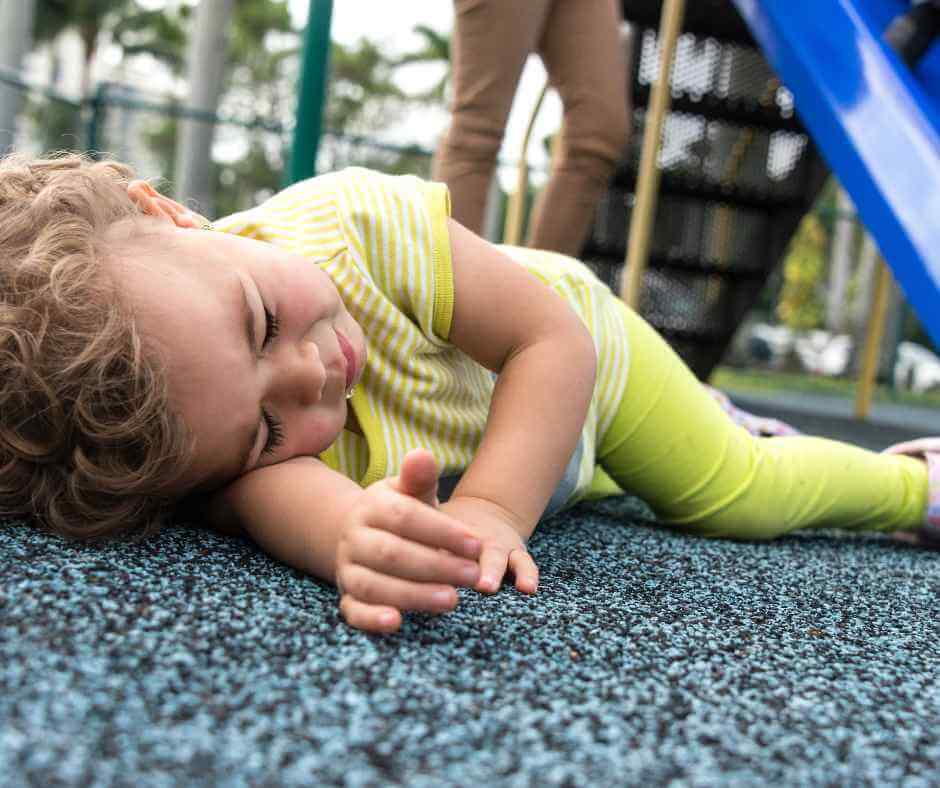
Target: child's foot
[928,450]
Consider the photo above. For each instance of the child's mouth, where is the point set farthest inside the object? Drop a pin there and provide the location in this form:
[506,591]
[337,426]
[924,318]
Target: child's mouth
[350,356]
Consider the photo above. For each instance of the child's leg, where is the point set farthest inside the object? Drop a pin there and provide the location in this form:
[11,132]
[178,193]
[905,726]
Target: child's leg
[672,445]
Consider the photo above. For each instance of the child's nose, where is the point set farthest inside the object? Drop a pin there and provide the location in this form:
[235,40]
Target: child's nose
[301,374]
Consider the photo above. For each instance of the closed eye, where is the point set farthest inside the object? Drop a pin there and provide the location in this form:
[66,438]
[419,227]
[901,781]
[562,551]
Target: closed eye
[275,432]
[275,428]
[271,328]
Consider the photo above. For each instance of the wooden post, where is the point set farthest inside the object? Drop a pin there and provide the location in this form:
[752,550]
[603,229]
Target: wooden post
[876,327]
[515,210]
[644,208]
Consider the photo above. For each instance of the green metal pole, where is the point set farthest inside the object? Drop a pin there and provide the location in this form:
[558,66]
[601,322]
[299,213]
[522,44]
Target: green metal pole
[312,93]
[96,107]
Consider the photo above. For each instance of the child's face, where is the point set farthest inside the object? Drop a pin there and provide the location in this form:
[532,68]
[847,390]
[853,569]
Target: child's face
[260,348]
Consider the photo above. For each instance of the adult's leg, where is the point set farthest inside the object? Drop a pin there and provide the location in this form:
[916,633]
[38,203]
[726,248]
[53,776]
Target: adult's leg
[490,44]
[672,444]
[583,53]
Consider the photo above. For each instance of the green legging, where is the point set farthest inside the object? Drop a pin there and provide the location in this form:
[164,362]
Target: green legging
[673,446]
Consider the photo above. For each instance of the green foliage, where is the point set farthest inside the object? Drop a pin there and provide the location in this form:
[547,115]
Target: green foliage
[248,181]
[57,124]
[259,83]
[158,33]
[362,94]
[801,305]
[826,207]
[261,77]
[435,49]
[134,28]
[254,23]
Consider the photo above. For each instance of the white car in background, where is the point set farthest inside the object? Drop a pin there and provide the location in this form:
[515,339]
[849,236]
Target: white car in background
[824,353]
[916,368]
[819,352]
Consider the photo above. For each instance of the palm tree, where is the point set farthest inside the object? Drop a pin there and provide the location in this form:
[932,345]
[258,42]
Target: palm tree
[130,26]
[435,49]
[134,28]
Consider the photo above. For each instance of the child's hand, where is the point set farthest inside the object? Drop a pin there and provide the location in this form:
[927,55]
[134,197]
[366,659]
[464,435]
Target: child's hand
[397,552]
[503,546]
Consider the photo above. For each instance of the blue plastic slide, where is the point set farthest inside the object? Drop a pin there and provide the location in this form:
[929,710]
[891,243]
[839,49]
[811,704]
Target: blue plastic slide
[875,120]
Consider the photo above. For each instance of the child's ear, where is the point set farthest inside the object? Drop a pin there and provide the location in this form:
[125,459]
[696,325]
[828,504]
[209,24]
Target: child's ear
[152,203]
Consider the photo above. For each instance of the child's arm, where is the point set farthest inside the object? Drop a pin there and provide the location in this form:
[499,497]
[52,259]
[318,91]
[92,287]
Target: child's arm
[511,323]
[386,549]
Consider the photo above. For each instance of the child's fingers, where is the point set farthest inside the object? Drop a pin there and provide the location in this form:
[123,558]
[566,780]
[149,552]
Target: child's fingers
[410,519]
[392,555]
[418,477]
[493,563]
[380,619]
[525,570]
[375,588]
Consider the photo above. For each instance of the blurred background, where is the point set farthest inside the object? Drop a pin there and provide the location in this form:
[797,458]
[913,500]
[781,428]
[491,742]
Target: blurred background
[123,77]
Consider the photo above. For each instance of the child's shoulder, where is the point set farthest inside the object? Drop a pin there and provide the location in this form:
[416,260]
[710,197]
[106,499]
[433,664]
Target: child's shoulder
[348,198]
[352,177]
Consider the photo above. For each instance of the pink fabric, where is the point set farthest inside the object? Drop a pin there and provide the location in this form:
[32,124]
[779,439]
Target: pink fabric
[756,425]
[927,449]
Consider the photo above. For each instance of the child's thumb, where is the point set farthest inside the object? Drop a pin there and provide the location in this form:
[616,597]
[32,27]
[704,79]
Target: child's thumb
[418,476]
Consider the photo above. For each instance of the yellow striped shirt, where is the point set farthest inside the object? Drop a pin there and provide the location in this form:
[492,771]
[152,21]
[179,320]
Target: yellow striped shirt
[383,240]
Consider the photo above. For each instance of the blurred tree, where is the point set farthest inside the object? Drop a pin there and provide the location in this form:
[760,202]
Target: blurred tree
[801,306]
[259,76]
[435,50]
[261,72]
[133,28]
[57,124]
[363,96]
[262,48]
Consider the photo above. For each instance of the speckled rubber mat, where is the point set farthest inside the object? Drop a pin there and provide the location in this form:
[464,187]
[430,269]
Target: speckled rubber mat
[647,658]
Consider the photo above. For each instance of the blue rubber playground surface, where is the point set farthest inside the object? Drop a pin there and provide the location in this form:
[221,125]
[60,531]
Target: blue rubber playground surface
[647,657]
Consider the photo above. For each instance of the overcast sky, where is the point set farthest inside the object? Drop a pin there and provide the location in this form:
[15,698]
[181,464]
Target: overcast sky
[380,20]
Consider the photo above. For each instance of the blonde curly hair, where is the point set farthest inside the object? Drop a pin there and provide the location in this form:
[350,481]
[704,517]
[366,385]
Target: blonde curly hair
[88,444]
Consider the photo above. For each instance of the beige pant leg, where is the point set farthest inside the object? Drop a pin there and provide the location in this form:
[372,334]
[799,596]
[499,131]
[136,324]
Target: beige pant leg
[491,41]
[582,52]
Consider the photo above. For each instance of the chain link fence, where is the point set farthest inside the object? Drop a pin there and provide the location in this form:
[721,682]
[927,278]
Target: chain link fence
[249,154]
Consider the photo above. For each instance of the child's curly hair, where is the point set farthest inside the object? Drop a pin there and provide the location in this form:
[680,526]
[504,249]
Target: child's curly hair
[88,444]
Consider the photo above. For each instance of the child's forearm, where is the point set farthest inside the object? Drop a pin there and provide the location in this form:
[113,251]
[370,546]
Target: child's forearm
[384,547]
[288,513]
[538,409]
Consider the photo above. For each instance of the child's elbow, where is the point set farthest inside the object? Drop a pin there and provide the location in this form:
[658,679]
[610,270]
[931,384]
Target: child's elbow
[585,352]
